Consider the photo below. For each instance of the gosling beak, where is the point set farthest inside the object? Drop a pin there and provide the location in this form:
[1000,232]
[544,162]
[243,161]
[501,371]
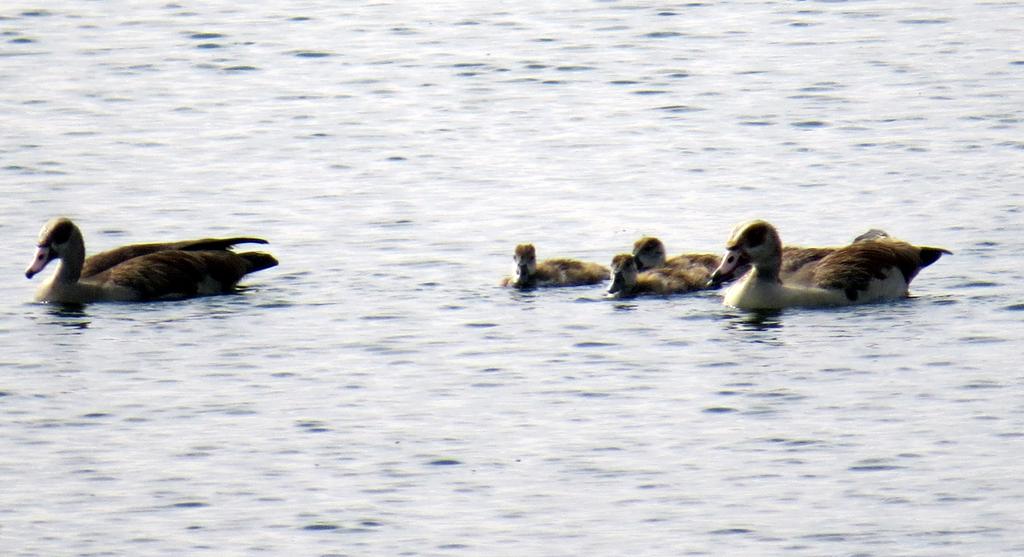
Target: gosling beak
[43,256]
[616,285]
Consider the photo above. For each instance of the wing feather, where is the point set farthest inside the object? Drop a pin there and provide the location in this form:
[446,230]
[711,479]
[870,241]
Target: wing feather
[106,260]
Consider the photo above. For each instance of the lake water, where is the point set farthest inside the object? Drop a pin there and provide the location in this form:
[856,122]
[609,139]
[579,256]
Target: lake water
[379,394]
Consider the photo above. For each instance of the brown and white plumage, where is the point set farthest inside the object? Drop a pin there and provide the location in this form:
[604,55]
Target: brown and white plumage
[872,268]
[142,271]
[796,261]
[628,281]
[552,272]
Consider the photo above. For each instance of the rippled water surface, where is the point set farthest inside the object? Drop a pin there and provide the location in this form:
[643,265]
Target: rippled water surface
[379,394]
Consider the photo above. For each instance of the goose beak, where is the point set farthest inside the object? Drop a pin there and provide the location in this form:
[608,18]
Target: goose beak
[43,256]
[726,271]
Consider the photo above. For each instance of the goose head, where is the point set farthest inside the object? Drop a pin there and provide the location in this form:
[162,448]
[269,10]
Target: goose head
[755,243]
[526,262]
[59,239]
[624,273]
[649,253]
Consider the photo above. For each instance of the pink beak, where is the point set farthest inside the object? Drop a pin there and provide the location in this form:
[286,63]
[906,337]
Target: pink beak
[42,258]
[731,261]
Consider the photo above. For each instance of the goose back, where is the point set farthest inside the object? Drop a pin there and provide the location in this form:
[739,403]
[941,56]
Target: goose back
[171,273]
[569,272]
[97,263]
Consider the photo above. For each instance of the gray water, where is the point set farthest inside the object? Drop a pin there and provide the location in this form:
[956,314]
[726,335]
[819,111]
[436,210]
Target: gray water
[379,394]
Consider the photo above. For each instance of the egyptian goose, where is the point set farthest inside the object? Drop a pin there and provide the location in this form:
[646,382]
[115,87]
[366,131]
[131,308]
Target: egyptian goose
[139,272]
[875,267]
[649,253]
[628,281]
[552,272]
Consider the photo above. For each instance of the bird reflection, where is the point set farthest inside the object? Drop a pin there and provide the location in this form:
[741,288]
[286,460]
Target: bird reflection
[766,322]
[72,316]
[759,320]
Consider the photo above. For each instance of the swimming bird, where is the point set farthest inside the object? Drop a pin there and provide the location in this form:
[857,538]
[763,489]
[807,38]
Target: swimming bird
[875,267]
[649,253]
[139,272]
[552,272]
[628,281]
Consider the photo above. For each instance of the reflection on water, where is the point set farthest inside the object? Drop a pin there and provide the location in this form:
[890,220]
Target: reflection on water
[72,316]
[758,326]
[754,320]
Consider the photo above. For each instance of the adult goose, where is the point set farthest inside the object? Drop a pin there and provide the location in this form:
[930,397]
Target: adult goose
[874,267]
[628,281]
[551,272]
[139,272]
[649,253]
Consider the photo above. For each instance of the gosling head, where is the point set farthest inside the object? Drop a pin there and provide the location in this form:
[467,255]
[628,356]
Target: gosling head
[624,273]
[526,263]
[649,253]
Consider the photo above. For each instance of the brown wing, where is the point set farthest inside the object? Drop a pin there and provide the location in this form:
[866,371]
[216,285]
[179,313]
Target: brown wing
[852,268]
[103,261]
[178,273]
[798,264]
[793,258]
